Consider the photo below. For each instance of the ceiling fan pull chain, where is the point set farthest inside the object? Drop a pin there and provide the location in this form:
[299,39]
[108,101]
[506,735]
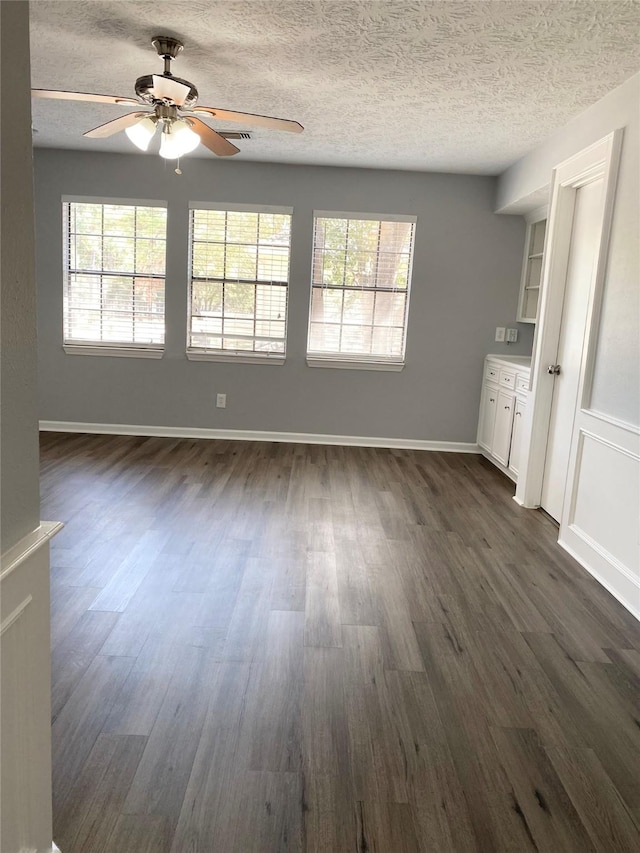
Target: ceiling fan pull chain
[178,170]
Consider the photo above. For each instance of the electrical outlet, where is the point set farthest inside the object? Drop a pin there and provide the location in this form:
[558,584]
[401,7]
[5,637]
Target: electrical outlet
[512,336]
[221,401]
[500,333]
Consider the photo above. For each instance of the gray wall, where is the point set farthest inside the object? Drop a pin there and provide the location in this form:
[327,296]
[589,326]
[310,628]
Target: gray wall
[20,500]
[616,388]
[465,282]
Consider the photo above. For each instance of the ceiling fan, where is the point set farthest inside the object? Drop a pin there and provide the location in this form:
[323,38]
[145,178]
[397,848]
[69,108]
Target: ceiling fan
[171,103]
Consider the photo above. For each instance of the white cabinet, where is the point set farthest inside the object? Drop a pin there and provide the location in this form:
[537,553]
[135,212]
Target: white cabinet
[532,270]
[503,402]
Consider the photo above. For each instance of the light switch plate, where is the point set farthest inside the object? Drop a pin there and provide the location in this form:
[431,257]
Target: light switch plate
[512,336]
[500,330]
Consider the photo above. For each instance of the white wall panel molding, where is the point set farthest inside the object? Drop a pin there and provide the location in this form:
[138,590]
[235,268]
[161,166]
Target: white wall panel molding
[260,435]
[601,521]
[15,614]
[26,693]
[30,543]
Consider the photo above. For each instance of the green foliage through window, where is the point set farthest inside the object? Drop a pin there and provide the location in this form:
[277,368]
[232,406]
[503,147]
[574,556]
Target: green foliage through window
[239,280]
[114,274]
[360,283]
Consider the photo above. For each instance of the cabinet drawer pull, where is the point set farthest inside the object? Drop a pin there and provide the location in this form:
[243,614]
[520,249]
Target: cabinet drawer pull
[507,408]
[492,399]
[518,414]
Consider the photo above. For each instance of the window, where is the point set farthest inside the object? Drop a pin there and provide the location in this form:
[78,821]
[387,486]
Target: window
[114,277]
[239,283]
[360,290]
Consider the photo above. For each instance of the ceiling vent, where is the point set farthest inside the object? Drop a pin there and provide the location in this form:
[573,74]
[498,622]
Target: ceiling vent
[235,134]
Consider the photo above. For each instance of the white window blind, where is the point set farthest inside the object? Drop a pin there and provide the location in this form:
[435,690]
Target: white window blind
[239,280]
[360,287]
[114,274]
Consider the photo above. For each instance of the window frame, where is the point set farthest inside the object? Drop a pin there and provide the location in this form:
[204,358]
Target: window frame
[108,348]
[360,361]
[237,356]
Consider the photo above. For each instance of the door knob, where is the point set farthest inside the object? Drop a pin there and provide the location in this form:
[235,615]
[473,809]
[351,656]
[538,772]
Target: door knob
[554,369]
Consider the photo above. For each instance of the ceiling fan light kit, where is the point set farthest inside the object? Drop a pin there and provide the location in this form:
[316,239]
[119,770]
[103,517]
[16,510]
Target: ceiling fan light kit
[142,132]
[177,140]
[173,102]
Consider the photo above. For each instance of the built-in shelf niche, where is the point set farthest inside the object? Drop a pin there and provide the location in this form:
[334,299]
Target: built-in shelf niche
[532,269]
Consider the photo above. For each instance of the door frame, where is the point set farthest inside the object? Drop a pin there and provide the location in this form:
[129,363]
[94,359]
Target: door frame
[600,160]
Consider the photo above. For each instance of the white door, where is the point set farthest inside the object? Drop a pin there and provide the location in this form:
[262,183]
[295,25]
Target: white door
[585,235]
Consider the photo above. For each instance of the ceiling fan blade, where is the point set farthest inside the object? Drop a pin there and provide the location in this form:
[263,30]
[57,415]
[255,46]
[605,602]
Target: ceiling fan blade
[81,96]
[165,88]
[270,122]
[213,141]
[115,126]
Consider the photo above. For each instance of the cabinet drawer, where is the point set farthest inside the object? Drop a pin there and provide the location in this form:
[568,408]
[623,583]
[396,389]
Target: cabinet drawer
[508,379]
[491,372]
[522,383]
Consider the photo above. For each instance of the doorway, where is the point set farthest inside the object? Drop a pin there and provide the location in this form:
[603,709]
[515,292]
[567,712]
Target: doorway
[581,205]
[586,227]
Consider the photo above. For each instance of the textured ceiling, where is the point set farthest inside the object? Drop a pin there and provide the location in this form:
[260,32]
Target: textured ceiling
[401,84]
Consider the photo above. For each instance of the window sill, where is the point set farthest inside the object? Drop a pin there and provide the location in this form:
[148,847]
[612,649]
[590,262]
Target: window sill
[394,366]
[117,352]
[235,358]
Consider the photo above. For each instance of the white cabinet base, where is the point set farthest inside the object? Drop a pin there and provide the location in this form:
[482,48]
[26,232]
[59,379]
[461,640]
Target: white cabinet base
[503,402]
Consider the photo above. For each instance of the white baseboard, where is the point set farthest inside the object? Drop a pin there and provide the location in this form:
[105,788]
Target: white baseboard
[259,435]
[622,587]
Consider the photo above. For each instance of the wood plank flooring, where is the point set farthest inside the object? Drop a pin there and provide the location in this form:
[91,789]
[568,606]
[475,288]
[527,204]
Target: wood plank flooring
[260,648]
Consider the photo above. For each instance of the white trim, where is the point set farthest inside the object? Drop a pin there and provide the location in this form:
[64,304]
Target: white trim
[602,579]
[614,422]
[117,352]
[127,202]
[602,552]
[374,217]
[345,364]
[25,547]
[537,214]
[15,614]
[234,357]
[240,208]
[598,161]
[259,435]
[53,849]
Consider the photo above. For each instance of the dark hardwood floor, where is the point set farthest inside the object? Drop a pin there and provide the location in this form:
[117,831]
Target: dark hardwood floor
[270,647]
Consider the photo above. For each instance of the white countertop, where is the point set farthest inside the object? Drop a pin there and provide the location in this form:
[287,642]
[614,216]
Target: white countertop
[521,361]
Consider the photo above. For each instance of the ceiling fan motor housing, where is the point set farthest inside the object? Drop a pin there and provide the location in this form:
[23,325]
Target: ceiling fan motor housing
[145,91]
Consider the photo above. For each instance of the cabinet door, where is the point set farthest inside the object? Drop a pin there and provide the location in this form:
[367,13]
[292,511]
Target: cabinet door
[488,408]
[502,428]
[516,435]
